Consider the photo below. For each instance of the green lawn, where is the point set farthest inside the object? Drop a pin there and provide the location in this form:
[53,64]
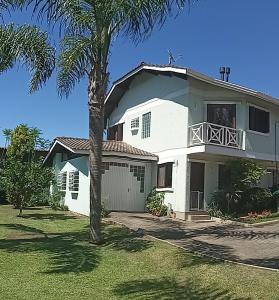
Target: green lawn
[46,256]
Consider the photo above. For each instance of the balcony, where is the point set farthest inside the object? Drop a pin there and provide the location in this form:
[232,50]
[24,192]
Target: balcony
[212,134]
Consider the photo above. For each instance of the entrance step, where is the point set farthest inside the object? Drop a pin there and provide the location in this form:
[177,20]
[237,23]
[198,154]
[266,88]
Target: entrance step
[204,221]
[198,217]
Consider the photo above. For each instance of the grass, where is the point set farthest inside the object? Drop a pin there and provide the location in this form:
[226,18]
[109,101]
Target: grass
[45,255]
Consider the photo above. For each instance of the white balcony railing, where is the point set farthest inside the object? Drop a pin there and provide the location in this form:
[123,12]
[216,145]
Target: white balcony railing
[212,134]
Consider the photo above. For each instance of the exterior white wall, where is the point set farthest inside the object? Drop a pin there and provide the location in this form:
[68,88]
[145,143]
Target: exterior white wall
[175,104]
[76,201]
[255,143]
[166,98]
[175,197]
[79,201]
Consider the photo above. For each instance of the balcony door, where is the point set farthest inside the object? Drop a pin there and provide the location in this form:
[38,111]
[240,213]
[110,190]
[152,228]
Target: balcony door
[222,114]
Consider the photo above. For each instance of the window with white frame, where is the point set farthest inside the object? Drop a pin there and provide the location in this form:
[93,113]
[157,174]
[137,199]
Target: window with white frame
[62,181]
[135,123]
[164,175]
[146,124]
[74,181]
[259,119]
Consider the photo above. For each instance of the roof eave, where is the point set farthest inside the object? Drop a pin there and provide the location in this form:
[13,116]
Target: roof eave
[195,75]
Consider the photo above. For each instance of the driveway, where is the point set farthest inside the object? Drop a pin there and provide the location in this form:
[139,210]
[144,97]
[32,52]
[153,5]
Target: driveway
[257,246]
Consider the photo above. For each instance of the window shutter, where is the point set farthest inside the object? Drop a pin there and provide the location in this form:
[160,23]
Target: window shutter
[119,136]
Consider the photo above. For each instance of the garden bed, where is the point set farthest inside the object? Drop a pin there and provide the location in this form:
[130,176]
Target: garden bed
[259,218]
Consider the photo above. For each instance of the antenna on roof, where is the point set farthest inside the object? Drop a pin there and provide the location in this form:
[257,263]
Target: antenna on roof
[173,59]
[223,71]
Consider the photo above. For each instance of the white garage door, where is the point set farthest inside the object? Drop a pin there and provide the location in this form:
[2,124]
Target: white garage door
[124,185]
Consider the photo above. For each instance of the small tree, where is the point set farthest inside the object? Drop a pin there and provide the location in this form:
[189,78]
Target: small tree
[24,175]
[242,179]
[244,173]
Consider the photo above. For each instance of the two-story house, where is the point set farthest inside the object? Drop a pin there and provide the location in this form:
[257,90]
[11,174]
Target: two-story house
[191,123]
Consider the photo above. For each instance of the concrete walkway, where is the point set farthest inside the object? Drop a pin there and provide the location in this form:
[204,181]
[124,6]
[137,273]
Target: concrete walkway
[257,246]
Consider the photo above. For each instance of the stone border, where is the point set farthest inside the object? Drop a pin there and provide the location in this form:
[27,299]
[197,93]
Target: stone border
[230,222]
[195,253]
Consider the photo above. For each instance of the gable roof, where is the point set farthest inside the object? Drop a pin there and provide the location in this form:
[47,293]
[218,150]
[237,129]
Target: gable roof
[120,86]
[114,148]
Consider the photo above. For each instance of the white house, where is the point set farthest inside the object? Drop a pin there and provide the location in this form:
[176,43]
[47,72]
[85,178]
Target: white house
[189,122]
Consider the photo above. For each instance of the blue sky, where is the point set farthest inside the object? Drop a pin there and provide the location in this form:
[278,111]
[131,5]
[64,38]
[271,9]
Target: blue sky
[241,34]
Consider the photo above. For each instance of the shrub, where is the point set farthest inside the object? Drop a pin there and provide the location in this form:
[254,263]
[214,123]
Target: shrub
[224,204]
[56,200]
[241,194]
[244,174]
[257,199]
[41,199]
[155,203]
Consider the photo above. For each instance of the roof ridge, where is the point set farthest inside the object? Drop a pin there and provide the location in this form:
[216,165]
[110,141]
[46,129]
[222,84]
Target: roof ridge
[70,137]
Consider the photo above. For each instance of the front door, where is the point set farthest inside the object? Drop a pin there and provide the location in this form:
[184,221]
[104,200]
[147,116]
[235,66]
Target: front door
[197,186]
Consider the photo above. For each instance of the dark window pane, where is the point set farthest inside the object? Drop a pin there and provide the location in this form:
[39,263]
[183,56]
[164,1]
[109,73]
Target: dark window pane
[258,120]
[222,114]
[115,133]
[161,176]
[119,136]
[165,175]
[169,175]
[223,177]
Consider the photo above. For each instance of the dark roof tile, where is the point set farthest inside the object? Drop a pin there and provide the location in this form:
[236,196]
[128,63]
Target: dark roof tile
[80,144]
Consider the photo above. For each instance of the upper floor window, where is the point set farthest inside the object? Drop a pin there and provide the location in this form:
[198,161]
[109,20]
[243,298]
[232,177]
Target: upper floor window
[259,120]
[115,133]
[74,181]
[146,123]
[222,114]
[62,181]
[134,123]
[164,179]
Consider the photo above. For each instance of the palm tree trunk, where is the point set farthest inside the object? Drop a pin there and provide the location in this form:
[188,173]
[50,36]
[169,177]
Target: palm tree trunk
[97,90]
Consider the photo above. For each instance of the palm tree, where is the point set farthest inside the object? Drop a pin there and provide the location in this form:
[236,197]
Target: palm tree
[88,29]
[26,45]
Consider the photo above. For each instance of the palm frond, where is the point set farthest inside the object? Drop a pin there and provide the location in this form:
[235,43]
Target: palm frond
[7,5]
[138,18]
[30,47]
[69,14]
[74,63]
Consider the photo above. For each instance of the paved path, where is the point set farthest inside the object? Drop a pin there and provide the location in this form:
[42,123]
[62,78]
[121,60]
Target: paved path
[258,245]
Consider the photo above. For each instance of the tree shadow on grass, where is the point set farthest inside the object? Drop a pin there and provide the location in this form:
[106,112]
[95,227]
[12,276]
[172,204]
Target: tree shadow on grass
[122,239]
[49,216]
[32,208]
[68,252]
[24,229]
[171,289]
[185,259]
